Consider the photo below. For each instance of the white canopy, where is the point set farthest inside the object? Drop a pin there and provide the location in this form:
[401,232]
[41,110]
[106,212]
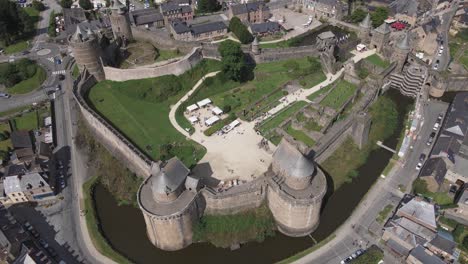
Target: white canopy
[193,119]
[47,121]
[210,121]
[217,111]
[390,20]
[204,102]
[360,47]
[191,108]
[234,123]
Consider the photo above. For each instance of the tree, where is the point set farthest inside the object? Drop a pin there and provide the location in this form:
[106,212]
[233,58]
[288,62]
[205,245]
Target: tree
[52,25]
[420,186]
[3,137]
[233,61]
[11,23]
[86,4]
[378,16]
[66,3]
[240,30]
[357,16]
[207,6]
[39,6]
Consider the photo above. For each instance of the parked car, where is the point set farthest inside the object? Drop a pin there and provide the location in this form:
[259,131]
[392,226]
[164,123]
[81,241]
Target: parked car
[419,166]
[422,157]
[5,95]
[61,77]
[52,252]
[34,233]
[359,252]
[346,260]
[58,88]
[431,138]
[436,67]
[28,226]
[436,126]
[43,243]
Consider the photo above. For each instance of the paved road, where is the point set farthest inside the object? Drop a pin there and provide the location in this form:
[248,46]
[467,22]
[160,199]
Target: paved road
[361,225]
[443,60]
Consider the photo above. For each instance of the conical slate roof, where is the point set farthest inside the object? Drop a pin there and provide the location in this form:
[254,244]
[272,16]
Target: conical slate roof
[290,161]
[255,41]
[366,23]
[384,28]
[78,34]
[169,178]
[404,43]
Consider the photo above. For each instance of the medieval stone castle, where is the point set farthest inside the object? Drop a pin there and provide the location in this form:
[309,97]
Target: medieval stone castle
[172,201]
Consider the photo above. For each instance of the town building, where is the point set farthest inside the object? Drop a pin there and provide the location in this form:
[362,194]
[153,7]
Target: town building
[413,224]
[421,255]
[265,28]
[180,30]
[171,11]
[449,157]
[30,187]
[254,12]
[148,18]
[326,8]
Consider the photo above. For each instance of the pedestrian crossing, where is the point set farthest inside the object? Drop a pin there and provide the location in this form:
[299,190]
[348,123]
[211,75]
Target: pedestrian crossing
[51,59]
[58,72]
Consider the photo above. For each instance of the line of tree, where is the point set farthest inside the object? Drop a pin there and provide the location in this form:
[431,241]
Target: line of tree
[52,25]
[233,61]
[240,30]
[15,23]
[208,6]
[13,73]
[378,16]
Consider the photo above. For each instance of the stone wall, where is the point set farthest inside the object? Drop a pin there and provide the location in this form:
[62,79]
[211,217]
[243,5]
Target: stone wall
[239,198]
[176,68]
[457,83]
[106,134]
[161,40]
[269,55]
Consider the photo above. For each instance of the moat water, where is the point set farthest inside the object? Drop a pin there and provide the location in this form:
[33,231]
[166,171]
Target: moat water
[124,226]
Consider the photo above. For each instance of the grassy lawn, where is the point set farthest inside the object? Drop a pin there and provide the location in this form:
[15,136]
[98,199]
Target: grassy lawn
[13,111]
[342,164]
[376,60]
[319,92]
[140,110]
[339,95]
[268,126]
[300,135]
[75,71]
[310,81]
[27,121]
[168,54]
[5,145]
[30,84]
[93,225]
[383,215]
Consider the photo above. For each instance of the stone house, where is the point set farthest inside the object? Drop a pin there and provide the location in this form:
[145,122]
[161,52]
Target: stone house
[254,12]
[326,8]
[265,28]
[149,17]
[25,188]
[171,11]
[420,255]
[442,247]
[180,30]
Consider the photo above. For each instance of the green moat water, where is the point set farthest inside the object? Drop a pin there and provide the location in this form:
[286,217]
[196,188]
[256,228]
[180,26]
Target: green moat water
[124,226]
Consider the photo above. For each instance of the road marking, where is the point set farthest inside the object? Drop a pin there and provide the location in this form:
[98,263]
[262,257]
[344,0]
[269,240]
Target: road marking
[58,72]
[51,59]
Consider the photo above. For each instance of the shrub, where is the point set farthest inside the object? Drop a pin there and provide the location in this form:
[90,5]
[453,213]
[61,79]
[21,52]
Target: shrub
[66,3]
[13,73]
[39,6]
[240,30]
[420,186]
[86,4]
[52,25]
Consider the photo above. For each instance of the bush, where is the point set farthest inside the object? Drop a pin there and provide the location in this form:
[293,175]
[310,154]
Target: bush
[378,16]
[233,61]
[240,30]
[86,4]
[52,25]
[3,137]
[357,16]
[420,186]
[206,6]
[39,6]
[13,73]
[226,108]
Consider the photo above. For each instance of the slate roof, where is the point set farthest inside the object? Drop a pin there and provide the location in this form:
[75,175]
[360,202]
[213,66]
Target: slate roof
[73,16]
[146,16]
[265,27]
[383,29]
[420,211]
[292,162]
[170,177]
[21,139]
[208,27]
[397,247]
[421,254]
[173,7]
[444,244]
[326,35]
[15,169]
[366,23]
[180,27]
[248,7]
[434,167]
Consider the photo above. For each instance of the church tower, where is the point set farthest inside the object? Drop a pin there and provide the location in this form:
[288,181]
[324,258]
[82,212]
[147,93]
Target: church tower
[87,52]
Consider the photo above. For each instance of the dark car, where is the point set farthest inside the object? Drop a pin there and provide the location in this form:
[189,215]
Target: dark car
[431,138]
[422,157]
[61,77]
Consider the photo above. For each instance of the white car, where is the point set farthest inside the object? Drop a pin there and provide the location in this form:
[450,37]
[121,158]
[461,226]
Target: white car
[419,166]
[436,67]
[436,126]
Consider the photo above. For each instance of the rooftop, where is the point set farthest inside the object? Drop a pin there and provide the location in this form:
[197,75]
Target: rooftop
[174,7]
[265,27]
[248,7]
[326,35]
[170,177]
[291,161]
[419,211]
[146,16]
[21,139]
[425,256]
[444,244]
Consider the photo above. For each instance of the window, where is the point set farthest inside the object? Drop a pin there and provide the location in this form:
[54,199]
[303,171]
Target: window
[14,195]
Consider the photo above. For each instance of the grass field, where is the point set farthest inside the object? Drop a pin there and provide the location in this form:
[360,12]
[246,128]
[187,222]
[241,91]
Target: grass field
[27,121]
[5,145]
[30,84]
[13,111]
[270,124]
[140,110]
[376,60]
[75,71]
[300,135]
[338,96]
[319,92]
[93,225]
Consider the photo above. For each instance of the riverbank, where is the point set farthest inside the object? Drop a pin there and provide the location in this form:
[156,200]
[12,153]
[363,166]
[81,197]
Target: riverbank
[92,222]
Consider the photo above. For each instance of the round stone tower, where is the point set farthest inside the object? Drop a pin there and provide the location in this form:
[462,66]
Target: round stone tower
[120,21]
[169,208]
[87,52]
[365,28]
[255,46]
[295,192]
[402,49]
